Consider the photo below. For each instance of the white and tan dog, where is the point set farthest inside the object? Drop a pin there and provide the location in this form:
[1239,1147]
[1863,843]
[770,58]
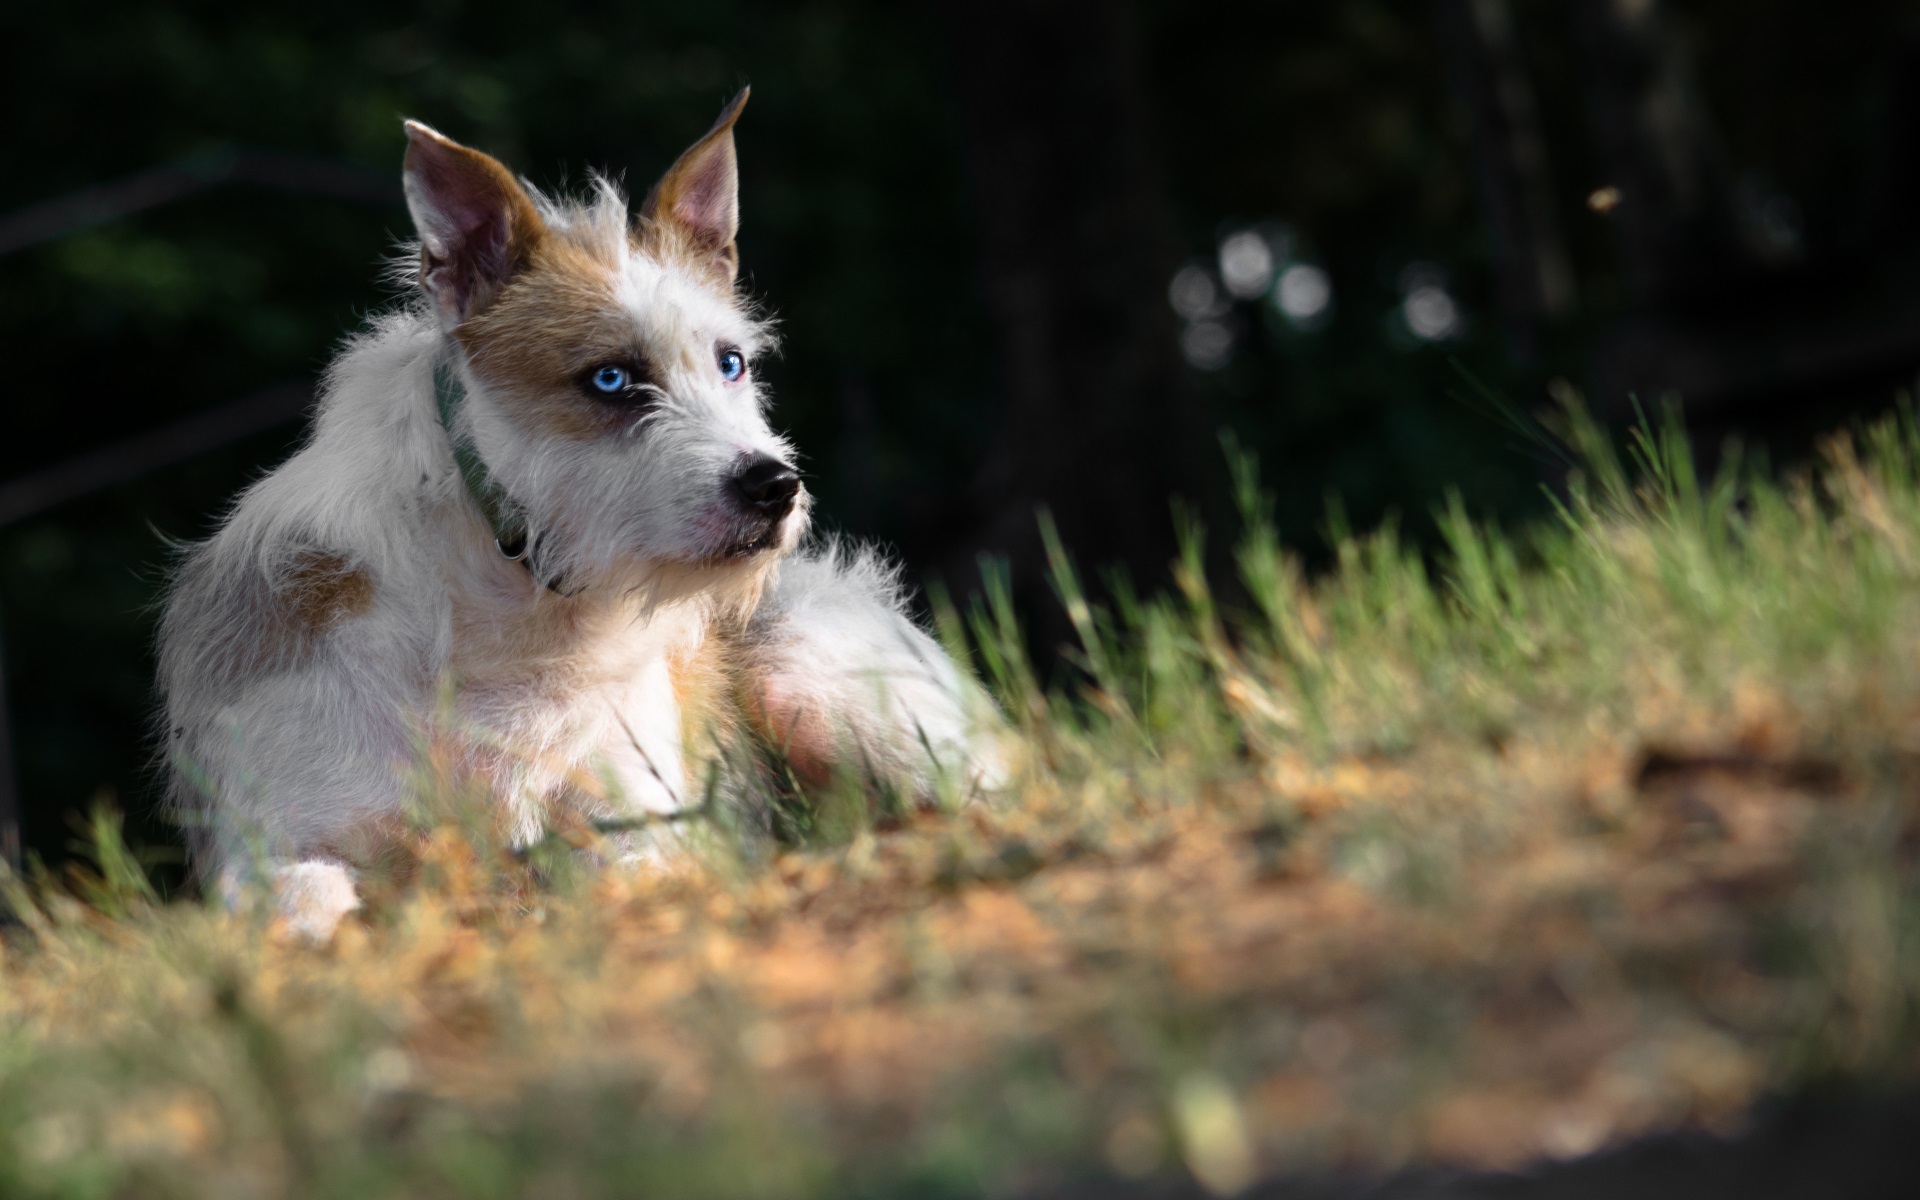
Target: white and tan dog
[541,519]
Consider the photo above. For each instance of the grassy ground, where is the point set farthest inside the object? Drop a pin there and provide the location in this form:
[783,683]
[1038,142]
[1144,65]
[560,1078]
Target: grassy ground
[1606,829]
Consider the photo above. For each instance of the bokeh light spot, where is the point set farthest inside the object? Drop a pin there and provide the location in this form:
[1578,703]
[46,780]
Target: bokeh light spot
[1304,293]
[1194,294]
[1431,313]
[1208,345]
[1246,264]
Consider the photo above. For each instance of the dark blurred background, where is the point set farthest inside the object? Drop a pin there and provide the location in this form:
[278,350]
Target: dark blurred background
[1023,251]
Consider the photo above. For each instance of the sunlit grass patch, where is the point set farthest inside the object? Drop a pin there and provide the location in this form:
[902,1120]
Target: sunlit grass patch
[1575,833]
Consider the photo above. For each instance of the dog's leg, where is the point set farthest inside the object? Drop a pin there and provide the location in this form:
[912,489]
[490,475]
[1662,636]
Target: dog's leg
[841,678]
[290,784]
[286,743]
[646,764]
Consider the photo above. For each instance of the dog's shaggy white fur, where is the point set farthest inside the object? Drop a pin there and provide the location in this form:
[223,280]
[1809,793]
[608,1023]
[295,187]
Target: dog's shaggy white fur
[541,531]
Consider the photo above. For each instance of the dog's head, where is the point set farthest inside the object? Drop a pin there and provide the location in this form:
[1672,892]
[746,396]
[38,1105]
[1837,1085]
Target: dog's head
[609,363]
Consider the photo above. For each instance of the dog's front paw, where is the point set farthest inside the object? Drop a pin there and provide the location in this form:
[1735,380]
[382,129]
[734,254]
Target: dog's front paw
[989,769]
[312,899]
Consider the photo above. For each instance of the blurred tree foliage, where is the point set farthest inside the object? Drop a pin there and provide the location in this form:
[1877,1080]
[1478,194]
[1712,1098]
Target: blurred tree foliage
[869,168]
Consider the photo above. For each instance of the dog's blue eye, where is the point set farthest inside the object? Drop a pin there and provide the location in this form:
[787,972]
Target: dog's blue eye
[733,364]
[610,379]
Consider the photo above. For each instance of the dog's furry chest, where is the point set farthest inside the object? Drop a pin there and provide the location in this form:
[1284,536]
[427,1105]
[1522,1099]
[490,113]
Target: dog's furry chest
[600,714]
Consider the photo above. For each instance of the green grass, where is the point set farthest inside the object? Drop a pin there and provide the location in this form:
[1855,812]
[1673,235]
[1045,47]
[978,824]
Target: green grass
[1598,829]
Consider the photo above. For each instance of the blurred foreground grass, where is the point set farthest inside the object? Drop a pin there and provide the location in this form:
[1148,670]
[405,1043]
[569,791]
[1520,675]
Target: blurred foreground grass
[1605,829]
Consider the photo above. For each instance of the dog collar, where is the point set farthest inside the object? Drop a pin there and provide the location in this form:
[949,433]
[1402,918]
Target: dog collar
[504,517]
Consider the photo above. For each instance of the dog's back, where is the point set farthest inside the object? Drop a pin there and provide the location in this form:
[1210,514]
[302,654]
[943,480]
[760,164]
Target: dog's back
[295,637]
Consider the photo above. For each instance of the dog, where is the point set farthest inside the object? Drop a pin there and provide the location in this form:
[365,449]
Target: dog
[542,526]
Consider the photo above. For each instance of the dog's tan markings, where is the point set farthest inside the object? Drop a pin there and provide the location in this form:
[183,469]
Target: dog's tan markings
[555,311]
[323,588]
[557,318]
[705,685]
[692,216]
[284,617]
[804,738]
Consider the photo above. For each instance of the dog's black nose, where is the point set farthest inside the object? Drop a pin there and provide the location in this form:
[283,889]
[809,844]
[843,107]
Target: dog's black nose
[767,485]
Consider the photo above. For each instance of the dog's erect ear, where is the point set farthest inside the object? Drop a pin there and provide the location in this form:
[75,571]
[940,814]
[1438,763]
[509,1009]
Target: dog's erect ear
[477,225]
[699,196]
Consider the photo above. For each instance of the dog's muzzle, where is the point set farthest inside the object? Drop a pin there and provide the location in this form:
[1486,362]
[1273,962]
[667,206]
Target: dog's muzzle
[765,493]
[767,487]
